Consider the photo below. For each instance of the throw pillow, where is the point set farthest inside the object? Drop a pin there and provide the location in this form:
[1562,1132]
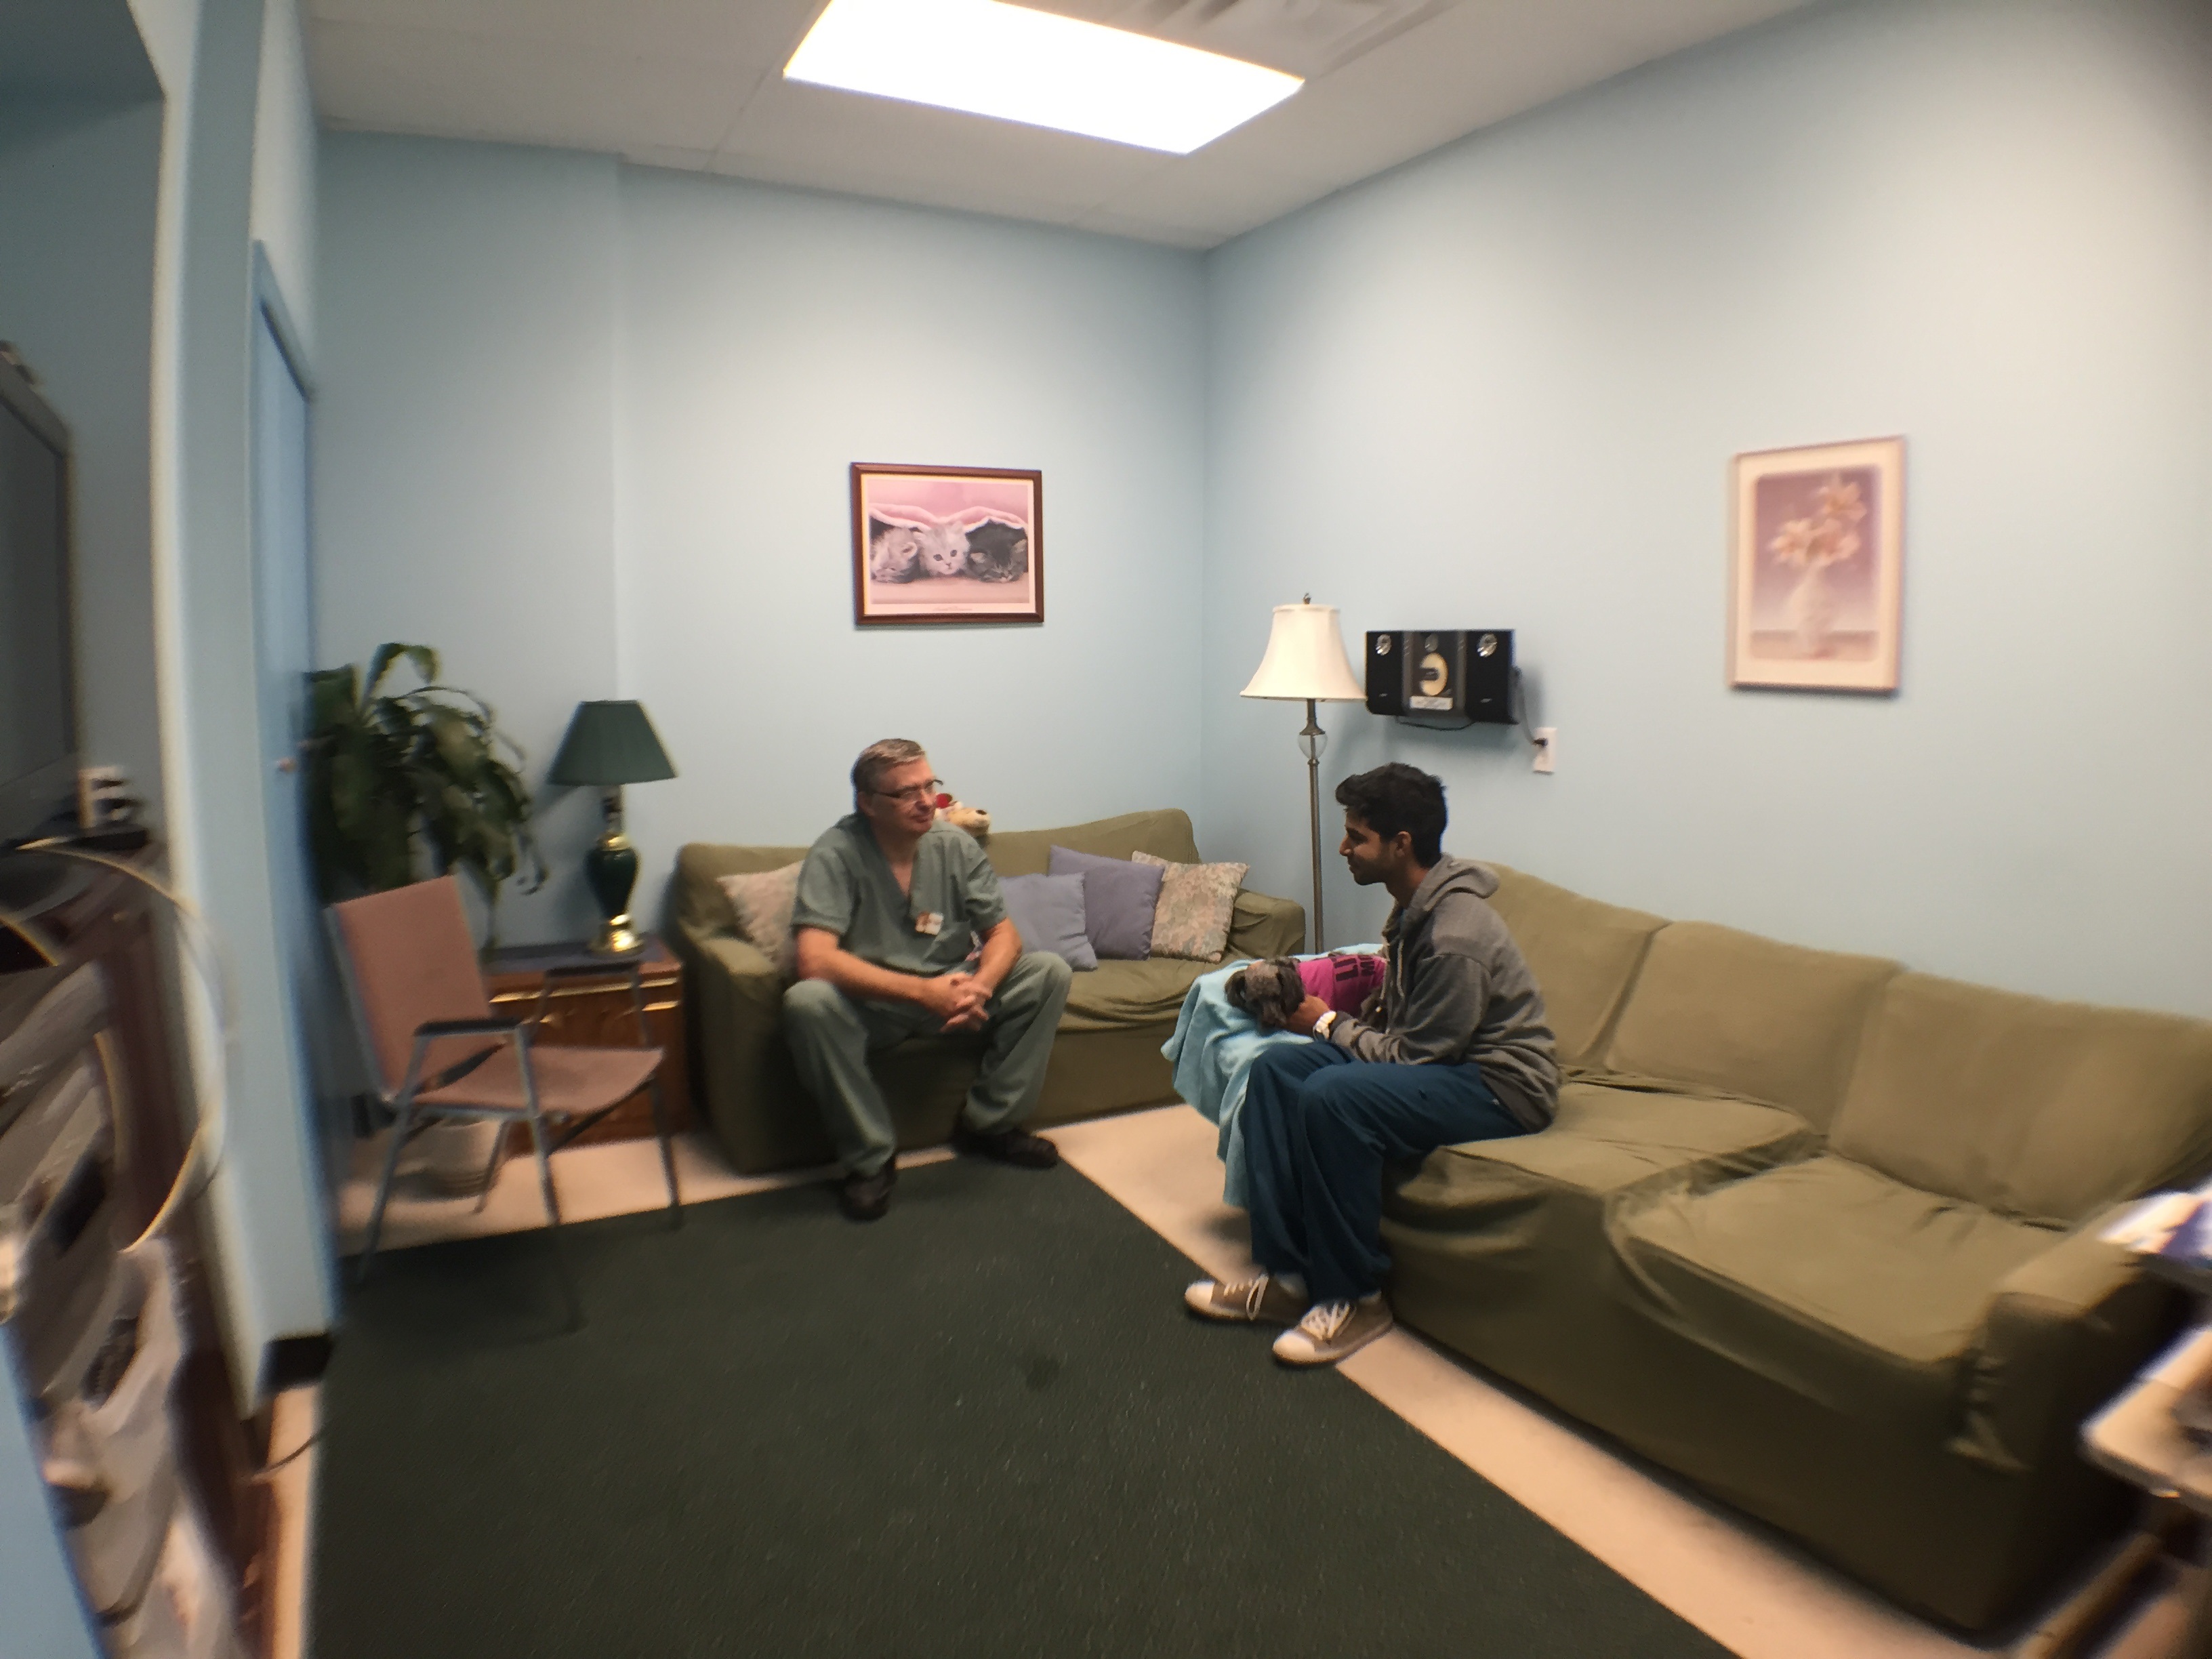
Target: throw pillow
[1119,898]
[1197,904]
[763,903]
[1049,911]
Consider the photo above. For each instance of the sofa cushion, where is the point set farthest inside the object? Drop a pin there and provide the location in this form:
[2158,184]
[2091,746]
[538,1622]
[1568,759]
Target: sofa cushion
[1121,897]
[1851,1289]
[761,902]
[1502,1248]
[1607,1141]
[1166,834]
[700,901]
[1198,902]
[1048,912]
[1582,952]
[2027,1107]
[1733,1013]
[1121,994]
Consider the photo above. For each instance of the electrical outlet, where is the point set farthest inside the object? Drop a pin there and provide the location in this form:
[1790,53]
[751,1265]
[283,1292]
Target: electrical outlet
[1547,748]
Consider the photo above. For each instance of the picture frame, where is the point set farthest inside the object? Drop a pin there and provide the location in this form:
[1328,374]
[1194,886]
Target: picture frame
[937,544]
[1816,566]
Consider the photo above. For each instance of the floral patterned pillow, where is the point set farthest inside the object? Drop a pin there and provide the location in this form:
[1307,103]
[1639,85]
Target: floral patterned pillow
[763,904]
[1196,904]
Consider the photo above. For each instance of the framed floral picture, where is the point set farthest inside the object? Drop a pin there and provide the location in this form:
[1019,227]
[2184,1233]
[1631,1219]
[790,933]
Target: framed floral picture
[1817,567]
[947,544]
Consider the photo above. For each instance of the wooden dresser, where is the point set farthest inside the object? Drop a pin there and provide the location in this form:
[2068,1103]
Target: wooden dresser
[600,1013]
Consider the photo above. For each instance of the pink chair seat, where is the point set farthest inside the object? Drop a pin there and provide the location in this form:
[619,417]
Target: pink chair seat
[570,1081]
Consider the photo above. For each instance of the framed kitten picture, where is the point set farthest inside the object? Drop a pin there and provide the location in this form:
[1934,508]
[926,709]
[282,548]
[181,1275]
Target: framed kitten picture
[947,544]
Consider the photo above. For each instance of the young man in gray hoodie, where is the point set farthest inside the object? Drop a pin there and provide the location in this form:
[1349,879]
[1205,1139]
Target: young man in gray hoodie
[1453,1047]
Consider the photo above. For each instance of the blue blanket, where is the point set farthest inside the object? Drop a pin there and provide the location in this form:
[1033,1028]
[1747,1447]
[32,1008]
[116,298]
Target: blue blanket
[1213,1049]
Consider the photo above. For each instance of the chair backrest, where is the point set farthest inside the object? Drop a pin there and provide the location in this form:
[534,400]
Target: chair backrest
[409,957]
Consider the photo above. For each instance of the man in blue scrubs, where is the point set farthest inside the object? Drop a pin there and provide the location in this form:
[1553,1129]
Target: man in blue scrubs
[891,906]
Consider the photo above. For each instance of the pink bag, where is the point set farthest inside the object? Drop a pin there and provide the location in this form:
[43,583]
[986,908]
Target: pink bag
[1343,979]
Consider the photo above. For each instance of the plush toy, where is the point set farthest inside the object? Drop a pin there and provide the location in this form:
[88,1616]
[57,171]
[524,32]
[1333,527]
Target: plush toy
[974,819]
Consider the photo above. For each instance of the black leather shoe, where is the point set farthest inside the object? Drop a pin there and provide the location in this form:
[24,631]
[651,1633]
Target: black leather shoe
[1007,1146]
[865,1197]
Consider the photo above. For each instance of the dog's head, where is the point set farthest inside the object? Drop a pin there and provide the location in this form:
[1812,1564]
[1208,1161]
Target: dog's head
[1270,991]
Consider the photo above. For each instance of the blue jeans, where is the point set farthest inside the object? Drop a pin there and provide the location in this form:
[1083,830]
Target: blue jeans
[1319,1125]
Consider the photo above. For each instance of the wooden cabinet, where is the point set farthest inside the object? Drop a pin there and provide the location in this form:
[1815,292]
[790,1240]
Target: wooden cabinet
[600,1011]
[84,912]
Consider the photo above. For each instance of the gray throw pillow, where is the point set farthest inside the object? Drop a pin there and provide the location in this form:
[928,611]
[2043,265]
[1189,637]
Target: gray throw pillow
[763,902]
[1197,907]
[1049,910]
[1118,899]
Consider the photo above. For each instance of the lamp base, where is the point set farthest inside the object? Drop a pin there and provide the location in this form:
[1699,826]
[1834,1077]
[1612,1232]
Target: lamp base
[616,938]
[610,871]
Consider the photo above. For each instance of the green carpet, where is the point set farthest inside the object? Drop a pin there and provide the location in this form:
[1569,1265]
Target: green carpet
[983,1426]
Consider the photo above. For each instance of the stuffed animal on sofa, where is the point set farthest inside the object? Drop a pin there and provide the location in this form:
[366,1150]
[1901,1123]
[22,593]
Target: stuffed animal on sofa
[974,819]
[1271,990]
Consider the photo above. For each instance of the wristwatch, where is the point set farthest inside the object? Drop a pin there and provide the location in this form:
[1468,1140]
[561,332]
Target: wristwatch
[1322,1025]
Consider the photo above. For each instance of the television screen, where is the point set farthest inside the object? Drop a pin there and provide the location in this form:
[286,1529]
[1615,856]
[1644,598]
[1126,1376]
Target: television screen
[38,713]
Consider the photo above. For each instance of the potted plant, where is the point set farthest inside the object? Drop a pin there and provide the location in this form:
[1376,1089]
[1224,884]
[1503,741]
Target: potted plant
[396,777]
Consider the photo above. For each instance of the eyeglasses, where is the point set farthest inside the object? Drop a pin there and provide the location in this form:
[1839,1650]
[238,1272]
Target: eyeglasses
[912,793]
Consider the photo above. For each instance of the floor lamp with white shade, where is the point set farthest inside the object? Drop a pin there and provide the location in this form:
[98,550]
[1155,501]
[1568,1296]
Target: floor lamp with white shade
[1306,662]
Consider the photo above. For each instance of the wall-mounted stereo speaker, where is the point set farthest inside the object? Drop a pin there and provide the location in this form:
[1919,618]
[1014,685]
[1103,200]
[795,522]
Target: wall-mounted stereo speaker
[1442,677]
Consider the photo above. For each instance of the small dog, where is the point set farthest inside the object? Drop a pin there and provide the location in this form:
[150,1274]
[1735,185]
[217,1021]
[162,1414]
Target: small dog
[1271,990]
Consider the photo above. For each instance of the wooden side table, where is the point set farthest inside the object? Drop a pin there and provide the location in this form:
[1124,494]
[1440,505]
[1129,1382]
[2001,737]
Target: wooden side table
[598,1012]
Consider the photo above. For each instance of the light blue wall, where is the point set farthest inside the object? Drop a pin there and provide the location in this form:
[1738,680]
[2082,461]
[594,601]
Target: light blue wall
[586,429]
[465,440]
[1501,387]
[773,337]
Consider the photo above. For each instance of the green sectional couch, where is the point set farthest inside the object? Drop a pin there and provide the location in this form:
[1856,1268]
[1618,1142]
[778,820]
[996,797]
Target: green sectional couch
[1106,1059]
[1819,1234]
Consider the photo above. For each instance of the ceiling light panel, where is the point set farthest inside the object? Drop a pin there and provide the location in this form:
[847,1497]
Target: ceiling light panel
[1016,65]
[1302,37]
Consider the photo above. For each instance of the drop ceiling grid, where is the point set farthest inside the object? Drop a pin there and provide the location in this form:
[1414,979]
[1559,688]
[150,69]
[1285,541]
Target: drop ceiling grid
[696,84]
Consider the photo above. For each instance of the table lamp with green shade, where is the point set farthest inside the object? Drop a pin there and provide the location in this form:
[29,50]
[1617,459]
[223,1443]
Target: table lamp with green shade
[608,745]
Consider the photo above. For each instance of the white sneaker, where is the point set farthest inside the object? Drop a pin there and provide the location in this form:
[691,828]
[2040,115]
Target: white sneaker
[1335,1330]
[1248,1300]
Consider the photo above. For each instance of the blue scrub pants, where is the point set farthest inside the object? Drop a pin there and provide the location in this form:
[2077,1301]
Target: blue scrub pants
[1319,1125]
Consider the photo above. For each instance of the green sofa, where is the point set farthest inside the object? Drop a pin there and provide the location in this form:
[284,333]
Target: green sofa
[1106,1059]
[1820,1234]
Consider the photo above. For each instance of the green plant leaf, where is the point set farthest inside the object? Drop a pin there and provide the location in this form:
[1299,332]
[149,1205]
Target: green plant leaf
[426,769]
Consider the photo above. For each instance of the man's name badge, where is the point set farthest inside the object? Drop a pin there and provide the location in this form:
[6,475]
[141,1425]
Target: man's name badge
[929,922]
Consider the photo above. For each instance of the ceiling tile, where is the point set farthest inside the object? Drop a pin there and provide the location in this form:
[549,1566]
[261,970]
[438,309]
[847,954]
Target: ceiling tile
[697,83]
[1219,200]
[747,31]
[533,91]
[789,124]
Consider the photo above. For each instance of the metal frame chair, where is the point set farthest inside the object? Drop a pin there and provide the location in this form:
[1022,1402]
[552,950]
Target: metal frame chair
[410,964]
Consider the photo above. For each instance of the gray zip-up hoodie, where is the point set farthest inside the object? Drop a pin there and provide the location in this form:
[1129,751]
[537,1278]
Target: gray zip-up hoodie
[1456,990]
